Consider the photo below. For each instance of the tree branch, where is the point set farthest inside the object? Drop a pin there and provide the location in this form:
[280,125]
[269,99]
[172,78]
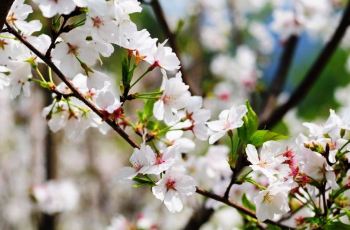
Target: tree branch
[239,208]
[158,11]
[313,74]
[75,91]
[4,10]
[199,217]
[278,81]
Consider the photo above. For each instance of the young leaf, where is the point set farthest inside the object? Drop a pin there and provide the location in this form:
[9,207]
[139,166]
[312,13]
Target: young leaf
[125,73]
[143,181]
[246,203]
[235,145]
[259,137]
[147,110]
[250,125]
[337,226]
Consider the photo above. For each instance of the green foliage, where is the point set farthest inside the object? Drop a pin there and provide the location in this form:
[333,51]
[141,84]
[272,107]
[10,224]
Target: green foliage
[337,226]
[251,123]
[147,111]
[246,203]
[127,74]
[321,96]
[259,137]
[273,227]
[143,180]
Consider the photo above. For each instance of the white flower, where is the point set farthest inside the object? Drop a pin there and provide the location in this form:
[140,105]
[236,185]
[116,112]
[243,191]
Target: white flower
[285,23]
[17,18]
[315,15]
[228,120]
[107,101]
[176,140]
[272,201]
[119,223]
[316,167]
[271,156]
[198,118]
[173,188]
[175,97]
[140,161]
[73,50]
[75,118]
[163,57]
[100,21]
[20,74]
[126,7]
[4,79]
[146,161]
[50,8]
[56,196]
[329,134]
[98,80]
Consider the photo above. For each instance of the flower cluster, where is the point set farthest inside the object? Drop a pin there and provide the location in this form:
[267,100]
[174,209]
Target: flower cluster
[178,150]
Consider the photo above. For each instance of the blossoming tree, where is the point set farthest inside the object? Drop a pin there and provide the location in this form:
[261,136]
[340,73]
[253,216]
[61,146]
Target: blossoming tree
[213,151]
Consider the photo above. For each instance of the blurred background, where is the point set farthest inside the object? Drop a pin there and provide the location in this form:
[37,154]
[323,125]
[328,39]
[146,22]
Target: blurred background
[229,51]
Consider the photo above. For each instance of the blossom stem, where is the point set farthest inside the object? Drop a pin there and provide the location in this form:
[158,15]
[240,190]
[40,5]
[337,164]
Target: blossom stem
[313,73]
[69,84]
[138,79]
[40,74]
[158,11]
[238,207]
[50,75]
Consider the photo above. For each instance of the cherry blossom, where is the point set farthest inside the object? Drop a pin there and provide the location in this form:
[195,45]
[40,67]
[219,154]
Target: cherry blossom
[56,196]
[175,97]
[270,156]
[163,57]
[173,188]
[51,8]
[73,52]
[228,120]
[272,201]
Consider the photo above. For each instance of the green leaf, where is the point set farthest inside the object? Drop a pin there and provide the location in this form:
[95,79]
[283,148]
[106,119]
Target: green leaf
[251,123]
[179,26]
[147,111]
[246,203]
[143,181]
[235,145]
[337,226]
[259,137]
[273,227]
[125,73]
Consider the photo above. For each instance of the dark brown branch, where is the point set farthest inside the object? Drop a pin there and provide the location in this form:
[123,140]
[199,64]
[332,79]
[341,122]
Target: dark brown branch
[199,217]
[158,11]
[239,208]
[278,81]
[76,92]
[313,74]
[4,10]
[49,221]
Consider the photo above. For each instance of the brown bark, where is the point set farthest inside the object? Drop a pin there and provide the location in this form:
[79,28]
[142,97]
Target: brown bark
[4,9]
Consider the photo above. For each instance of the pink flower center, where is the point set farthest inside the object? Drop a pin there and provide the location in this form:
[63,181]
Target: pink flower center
[97,22]
[224,96]
[72,49]
[159,159]
[170,184]
[166,99]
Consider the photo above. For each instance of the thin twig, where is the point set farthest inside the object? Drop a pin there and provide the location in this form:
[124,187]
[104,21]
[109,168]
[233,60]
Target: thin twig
[158,11]
[313,74]
[4,9]
[75,91]
[280,77]
[238,207]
